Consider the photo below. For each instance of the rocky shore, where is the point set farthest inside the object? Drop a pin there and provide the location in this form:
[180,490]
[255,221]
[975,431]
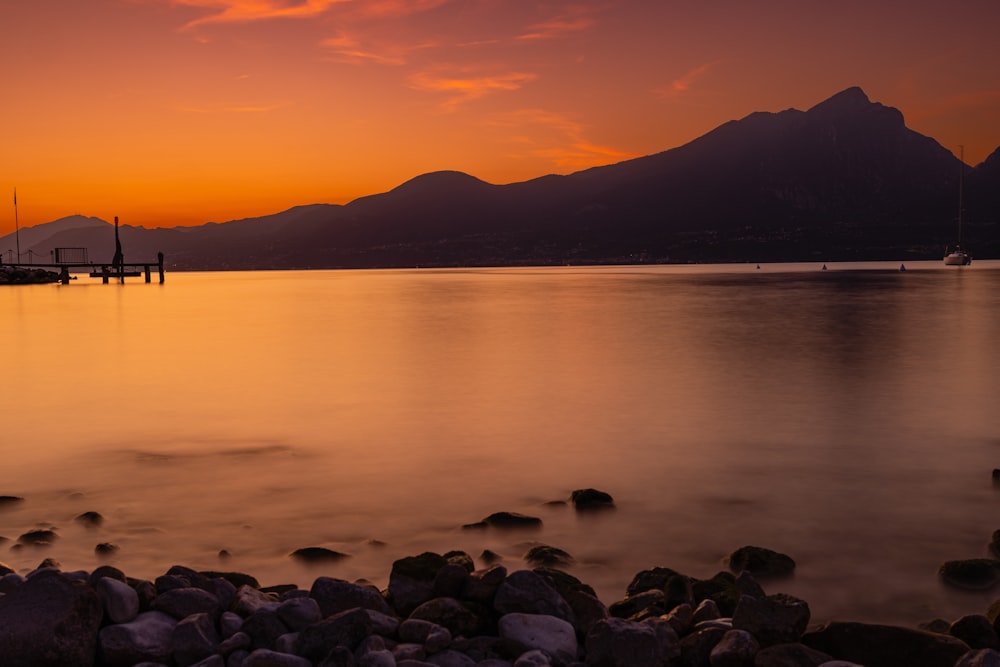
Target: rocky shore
[442,610]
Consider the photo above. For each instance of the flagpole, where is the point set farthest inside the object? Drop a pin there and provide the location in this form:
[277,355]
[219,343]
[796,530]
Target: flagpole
[17,230]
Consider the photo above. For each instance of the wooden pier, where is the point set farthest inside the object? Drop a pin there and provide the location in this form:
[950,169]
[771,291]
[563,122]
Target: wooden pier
[106,272]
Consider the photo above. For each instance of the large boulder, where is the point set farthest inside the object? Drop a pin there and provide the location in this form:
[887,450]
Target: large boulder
[761,562]
[977,574]
[591,499]
[537,631]
[337,595]
[529,592]
[148,638]
[466,619]
[346,629]
[876,645]
[411,581]
[49,620]
[775,619]
[615,642]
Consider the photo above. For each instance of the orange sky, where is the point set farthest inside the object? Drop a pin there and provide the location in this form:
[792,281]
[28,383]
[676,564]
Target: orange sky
[180,112]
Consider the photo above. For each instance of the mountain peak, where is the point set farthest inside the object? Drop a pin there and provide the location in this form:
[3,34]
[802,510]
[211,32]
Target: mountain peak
[851,99]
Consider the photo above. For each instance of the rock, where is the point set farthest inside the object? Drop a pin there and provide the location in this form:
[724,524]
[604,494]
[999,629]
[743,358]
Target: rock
[41,537]
[119,600]
[49,620]
[450,580]
[724,590]
[411,581]
[430,636]
[461,618]
[317,555]
[976,631]
[146,639]
[182,602]
[336,595]
[791,655]
[615,642]
[237,579]
[506,520]
[264,627]
[451,658]
[267,658]
[736,649]
[761,562]
[482,585]
[297,613]
[543,555]
[639,606]
[236,641]
[537,631]
[972,574]
[875,645]
[345,629]
[646,580]
[775,619]
[106,549]
[90,519]
[528,592]
[706,610]
[194,639]
[986,657]
[591,499]
[383,624]
[587,610]
[248,600]
[533,658]
[7,501]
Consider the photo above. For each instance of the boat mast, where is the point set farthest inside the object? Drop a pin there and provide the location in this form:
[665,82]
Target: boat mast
[17,230]
[961,178]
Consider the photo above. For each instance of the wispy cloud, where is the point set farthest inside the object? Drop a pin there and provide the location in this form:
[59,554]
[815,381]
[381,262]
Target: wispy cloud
[398,8]
[683,83]
[465,85]
[556,28]
[558,138]
[245,11]
[350,49]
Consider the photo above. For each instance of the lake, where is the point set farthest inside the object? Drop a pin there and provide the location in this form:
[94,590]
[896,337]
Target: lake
[846,417]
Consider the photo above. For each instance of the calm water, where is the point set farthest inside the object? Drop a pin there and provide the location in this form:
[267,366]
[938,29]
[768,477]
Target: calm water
[846,417]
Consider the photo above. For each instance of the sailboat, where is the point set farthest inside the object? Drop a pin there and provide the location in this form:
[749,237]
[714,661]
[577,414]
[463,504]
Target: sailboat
[957,255]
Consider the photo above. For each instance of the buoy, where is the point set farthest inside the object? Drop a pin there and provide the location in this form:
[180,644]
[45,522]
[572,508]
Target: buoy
[824,267]
[902,267]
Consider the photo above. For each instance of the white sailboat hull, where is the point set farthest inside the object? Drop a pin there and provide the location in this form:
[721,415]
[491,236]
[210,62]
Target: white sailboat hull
[957,258]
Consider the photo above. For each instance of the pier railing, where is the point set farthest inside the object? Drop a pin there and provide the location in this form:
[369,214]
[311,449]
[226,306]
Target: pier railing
[103,270]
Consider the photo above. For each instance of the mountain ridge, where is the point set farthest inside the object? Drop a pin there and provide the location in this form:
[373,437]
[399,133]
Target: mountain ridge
[845,179]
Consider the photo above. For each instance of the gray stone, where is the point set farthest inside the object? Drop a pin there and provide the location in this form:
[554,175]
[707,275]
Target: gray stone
[249,599]
[776,619]
[482,585]
[976,574]
[696,648]
[182,602]
[737,648]
[345,629]
[336,595]
[761,562]
[49,620]
[383,624]
[432,636]
[210,661]
[408,651]
[639,606]
[792,655]
[616,642]
[379,658]
[450,580]
[147,638]
[235,642]
[264,626]
[229,623]
[876,645]
[263,657]
[451,658]
[528,592]
[411,581]
[591,499]
[532,658]
[536,631]
[194,638]
[587,610]
[976,631]
[706,610]
[543,555]
[461,618]
[119,600]
[984,657]
[297,613]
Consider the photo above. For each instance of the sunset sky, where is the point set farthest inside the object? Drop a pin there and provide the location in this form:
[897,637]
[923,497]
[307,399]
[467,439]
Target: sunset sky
[181,112]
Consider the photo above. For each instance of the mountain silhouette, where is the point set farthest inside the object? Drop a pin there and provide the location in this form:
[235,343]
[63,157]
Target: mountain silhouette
[843,180]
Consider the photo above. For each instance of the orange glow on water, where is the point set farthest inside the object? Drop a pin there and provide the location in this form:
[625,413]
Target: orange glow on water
[180,112]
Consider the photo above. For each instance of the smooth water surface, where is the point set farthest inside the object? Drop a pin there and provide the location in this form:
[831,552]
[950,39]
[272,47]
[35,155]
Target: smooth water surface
[845,417]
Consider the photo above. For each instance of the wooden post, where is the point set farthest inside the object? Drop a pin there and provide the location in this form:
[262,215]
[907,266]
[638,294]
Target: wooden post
[147,273]
[104,275]
[159,258]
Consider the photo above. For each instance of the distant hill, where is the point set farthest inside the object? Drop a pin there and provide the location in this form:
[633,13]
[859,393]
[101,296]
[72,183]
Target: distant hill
[843,180]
